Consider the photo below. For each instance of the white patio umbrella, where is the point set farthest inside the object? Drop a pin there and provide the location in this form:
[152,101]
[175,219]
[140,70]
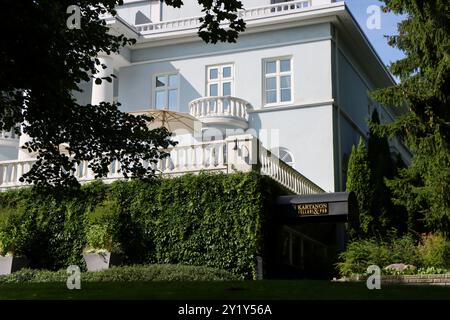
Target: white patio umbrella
[172,120]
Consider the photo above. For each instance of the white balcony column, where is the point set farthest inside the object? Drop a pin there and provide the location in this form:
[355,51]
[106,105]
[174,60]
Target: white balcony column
[103,92]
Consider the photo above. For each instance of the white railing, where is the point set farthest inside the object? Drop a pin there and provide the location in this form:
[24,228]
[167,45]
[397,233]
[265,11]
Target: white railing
[284,174]
[274,9]
[183,159]
[247,14]
[217,156]
[169,25]
[220,107]
[11,171]
[9,135]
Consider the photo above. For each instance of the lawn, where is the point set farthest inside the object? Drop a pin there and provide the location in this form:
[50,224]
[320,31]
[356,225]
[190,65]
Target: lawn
[223,290]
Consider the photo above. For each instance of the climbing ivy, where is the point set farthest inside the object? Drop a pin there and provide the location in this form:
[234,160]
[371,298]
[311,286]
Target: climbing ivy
[212,220]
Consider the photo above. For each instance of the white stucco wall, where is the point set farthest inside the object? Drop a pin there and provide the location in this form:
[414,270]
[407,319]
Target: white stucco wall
[129,9]
[308,133]
[255,3]
[190,8]
[354,98]
[308,46]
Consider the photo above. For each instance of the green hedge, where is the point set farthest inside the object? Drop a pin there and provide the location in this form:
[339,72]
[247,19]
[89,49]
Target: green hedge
[136,273]
[212,220]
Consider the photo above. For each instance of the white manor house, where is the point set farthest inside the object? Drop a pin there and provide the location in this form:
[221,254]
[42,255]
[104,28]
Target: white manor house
[295,83]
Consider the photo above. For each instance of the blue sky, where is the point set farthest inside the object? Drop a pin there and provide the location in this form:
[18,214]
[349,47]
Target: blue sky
[389,23]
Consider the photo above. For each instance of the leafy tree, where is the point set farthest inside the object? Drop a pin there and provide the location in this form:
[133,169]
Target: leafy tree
[424,36]
[42,62]
[358,181]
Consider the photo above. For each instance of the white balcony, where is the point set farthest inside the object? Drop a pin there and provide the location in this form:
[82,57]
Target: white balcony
[248,15]
[237,153]
[229,112]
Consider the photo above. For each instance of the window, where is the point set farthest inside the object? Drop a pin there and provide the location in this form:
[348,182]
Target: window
[220,80]
[286,156]
[166,91]
[278,81]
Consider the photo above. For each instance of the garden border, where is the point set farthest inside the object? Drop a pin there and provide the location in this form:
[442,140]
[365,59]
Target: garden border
[416,279]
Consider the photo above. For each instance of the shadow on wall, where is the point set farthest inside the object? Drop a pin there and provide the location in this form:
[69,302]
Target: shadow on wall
[137,86]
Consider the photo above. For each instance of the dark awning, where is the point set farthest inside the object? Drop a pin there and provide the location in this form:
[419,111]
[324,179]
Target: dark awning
[311,198]
[325,207]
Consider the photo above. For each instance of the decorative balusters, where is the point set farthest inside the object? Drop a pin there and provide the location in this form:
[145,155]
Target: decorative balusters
[285,175]
[210,156]
[220,107]
[248,14]
[9,135]
[169,25]
[193,158]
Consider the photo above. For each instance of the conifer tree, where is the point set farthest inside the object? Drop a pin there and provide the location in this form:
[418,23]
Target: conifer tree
[383,165]
[424,36]
[358,181]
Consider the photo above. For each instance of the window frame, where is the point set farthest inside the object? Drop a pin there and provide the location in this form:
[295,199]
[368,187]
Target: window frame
[166,90]
[220,80]
[278,74]
[288,152]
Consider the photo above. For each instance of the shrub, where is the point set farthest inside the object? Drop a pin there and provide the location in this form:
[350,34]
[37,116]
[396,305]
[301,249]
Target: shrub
[435,251]
[11,232]
[141,273]
[102,227]
[404,250]
[432,270]
[362,253]
[358,181]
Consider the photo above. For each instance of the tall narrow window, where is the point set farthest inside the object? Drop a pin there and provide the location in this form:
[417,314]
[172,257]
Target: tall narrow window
[277,81]
[166,91]
[220,80]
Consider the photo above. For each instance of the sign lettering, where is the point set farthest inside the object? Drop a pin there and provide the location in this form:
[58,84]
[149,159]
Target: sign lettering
[312,209]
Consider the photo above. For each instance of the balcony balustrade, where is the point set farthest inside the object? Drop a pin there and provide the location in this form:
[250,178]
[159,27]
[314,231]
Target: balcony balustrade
[227,111]
[247,14]
[236,153]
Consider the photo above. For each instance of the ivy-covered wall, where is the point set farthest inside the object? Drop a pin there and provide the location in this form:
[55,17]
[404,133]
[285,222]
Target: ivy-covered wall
[214,220]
